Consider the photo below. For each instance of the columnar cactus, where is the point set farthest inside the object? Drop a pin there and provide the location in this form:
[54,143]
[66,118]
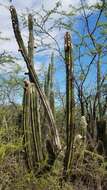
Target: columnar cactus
[31,126]
[34,78]
[69,104]
[48,86]
[33,91]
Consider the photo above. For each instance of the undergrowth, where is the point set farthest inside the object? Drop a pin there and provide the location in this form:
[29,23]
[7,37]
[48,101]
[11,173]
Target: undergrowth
[88,168]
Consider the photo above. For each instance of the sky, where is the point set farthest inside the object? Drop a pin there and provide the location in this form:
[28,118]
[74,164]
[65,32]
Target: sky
[28,6]
[21,6]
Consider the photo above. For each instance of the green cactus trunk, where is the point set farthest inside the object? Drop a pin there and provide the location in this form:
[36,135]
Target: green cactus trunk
[32,128]
[69,106]
[49,84]
[34,78]
[49,92]
[31,115]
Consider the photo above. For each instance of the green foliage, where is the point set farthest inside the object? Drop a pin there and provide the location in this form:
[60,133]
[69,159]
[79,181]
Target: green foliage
[5,58]
[89,168]
[9,148]
[13,170]
[9,142]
